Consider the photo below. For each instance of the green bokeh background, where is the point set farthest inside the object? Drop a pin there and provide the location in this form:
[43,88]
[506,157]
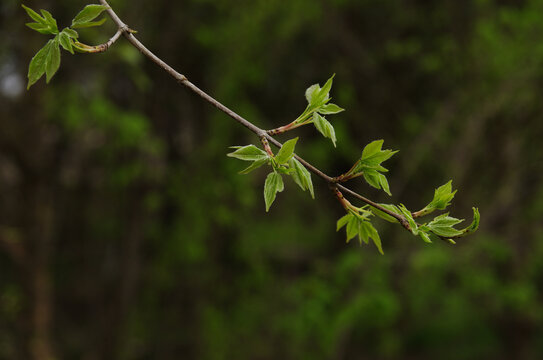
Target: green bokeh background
[126,233]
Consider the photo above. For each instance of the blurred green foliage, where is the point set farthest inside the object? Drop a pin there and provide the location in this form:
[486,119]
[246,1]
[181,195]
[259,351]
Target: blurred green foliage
[114,180]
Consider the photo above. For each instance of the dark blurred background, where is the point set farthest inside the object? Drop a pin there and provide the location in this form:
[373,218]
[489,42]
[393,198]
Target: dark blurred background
[126,233]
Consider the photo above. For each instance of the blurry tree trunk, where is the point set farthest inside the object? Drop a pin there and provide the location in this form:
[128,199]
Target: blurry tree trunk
[39,236]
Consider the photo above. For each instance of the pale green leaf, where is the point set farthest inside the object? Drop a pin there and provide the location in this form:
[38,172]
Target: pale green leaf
[66,42]
[324,127]
[409,217]
[52,62]
[443,226]
[273,185]
[384,184]
[352,228]
[71,33]
[248,153]
[89,24]
[286,152]
[324,93]
[255,165]
[34,15]
[50,20]
[301,176]
[311,92]
[330,109]
[384,215]
[343,221]
[41,28]
[89,13]
[372,178]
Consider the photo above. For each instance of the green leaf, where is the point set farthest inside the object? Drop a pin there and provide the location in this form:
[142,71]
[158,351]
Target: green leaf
[372,178]
[384,215]
[90,24]
[443,196]
[425,237]
[66,42]
[301,176]
[352,228]
[273,185]
[330,109]
[324,127]
[286,152]
[324,93]
[71,33]
[255,165]
[442,225]
[248,153]
[44,25]
[41,28]
[475,223]
[34,15]
[46,61]
[409,217]
[89,13]
[52,62]
[50,20]
[384,183]
[343,221]
[372,155]
[369,231]
[311,92]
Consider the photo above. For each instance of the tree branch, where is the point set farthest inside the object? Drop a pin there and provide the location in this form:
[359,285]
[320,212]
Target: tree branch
[262,134]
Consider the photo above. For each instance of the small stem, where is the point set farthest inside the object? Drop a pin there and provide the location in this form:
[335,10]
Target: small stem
[344,202]
[102,47]
[266,146]
[301,121]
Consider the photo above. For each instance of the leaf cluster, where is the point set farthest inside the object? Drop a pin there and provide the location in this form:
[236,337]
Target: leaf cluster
[47,59]
[283,163]
[358,224]
[318,100]
[369,165]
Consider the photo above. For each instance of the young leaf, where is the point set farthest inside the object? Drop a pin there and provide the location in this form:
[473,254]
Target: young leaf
[273,185]
[71,33]
[373,156]
[248,153]
[52,62]
[324,93]
[301,176]
[329,109]
[367,229]
[352,228]
[324,127]
[41,28]
[384,183]
[255,165]
[66,42]
[372,178]
[44,25]
[343,221]
[34,15]
[311,92]
[286,152]
[89,13]
[407,214]
[442,225]
[384,215]
[50,20]
[46,61]
[90,24]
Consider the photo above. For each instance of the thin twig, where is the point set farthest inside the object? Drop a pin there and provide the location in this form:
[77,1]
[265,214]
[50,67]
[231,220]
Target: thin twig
[262,134]
[102,47]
